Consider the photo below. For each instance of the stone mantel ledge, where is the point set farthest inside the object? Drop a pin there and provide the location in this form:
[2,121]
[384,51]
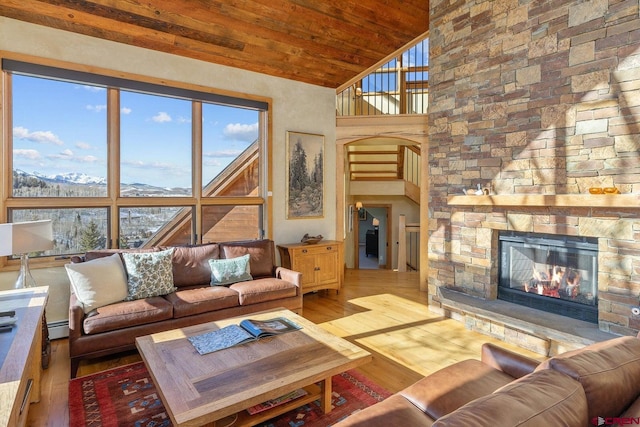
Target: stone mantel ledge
[617,201]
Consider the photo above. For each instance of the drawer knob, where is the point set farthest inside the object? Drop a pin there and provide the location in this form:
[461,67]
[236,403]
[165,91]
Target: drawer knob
[329,248]
[304,251]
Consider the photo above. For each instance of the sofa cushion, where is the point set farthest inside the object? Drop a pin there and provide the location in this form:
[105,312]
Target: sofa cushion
[149,274]
[543,398]
[190,264]
[609,372]
[262,255]
[98,282]
[446,390]
[393,411]
[126,314]
[187,302]
[101,253]
[633,411]
[261,290]
[228,271]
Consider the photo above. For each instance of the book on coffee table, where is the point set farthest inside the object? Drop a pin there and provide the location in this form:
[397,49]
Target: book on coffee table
[247,331]
[261,407]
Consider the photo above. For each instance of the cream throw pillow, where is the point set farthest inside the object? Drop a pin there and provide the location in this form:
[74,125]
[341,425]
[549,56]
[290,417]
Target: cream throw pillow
[98,282]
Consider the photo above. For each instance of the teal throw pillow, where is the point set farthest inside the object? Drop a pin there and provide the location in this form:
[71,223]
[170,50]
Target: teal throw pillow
[149,274]
[228,271]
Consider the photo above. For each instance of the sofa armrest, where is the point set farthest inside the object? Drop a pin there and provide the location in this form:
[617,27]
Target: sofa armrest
[289,275]
[507,361]
[76,316]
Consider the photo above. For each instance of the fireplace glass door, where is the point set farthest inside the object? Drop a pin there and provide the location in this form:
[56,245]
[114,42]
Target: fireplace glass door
[557,274]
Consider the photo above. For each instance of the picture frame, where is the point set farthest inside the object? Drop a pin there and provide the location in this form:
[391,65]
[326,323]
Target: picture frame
[362,214]
[305,175]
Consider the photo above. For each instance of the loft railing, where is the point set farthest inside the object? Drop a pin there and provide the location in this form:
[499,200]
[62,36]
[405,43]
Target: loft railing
[399,87]
[411,172]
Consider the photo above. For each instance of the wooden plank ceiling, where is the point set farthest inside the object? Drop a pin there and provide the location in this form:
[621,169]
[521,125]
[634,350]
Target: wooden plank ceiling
[322,42]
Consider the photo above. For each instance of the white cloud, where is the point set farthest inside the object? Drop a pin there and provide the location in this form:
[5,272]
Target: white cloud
[65,154]
[93,88]
[96,108]
[223,153]
[83,145]
[242,132]
[184,120]
[125,110]
[161,117]
[71,156]
[40,136]
[26,154]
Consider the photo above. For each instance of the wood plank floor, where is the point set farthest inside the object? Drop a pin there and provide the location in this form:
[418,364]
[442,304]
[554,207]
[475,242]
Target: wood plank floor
[382,311]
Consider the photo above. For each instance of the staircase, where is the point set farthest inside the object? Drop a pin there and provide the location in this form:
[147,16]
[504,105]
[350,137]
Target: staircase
[384,169]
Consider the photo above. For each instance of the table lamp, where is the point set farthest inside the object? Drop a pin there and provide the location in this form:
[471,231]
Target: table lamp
[21,238]
[375,222]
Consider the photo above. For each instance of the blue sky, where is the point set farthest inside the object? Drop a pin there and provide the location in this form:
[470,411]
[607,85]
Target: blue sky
[61,127]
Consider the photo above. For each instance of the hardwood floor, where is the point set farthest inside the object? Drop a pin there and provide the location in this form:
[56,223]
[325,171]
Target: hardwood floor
[382,311]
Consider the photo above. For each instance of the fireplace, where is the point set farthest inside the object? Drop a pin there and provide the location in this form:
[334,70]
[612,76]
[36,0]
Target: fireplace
[554,273]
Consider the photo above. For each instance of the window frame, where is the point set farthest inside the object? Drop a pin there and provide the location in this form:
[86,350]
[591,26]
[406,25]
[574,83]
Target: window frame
[113,201]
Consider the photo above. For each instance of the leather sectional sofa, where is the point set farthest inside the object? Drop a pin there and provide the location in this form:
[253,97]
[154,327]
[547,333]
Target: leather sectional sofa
[113,328]
[598,385]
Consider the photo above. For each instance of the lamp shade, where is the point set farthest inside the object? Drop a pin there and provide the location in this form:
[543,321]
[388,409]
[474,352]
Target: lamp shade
[375,222]
[24,237]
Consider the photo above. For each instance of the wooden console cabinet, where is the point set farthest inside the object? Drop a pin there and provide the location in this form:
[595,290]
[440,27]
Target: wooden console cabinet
[321,264]
[21,354]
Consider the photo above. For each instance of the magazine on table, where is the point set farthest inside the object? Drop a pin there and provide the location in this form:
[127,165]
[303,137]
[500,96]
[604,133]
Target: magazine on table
[248,330]
[277,401]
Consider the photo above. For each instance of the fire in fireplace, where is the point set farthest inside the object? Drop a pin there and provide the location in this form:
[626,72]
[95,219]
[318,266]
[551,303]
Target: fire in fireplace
[553,273]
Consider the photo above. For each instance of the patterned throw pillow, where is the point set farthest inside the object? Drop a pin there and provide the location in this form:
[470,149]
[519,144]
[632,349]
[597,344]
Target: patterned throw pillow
[228,271]
[148,274]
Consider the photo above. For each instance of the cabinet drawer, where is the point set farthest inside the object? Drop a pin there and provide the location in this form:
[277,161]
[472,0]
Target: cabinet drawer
[316,250]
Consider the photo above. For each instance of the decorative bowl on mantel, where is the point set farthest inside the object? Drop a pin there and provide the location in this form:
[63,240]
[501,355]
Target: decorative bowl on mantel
[311,240]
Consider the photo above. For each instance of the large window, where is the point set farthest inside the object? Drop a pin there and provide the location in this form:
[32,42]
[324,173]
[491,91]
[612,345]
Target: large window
[126,163]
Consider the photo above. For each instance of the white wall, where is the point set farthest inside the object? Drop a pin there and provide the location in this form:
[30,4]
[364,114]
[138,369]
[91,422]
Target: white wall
[296,107]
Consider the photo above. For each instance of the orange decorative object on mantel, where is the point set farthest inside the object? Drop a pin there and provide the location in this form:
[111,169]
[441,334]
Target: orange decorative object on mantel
[606,190]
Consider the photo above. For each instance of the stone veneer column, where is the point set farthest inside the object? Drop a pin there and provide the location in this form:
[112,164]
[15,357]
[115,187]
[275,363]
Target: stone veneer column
[534,97]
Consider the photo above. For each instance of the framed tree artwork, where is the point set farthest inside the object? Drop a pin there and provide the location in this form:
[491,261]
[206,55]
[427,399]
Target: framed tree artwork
[305,175]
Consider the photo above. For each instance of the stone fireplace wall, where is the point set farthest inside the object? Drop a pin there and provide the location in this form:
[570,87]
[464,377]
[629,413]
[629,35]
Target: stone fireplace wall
[535,97]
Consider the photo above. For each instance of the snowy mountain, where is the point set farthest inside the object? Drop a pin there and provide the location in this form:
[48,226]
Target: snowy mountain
[72,178]
[82,180]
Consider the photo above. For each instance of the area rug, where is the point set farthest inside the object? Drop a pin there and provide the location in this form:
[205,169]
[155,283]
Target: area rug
[126,396]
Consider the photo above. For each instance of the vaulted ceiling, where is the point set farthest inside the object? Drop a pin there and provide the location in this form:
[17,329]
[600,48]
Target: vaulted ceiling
[322,42]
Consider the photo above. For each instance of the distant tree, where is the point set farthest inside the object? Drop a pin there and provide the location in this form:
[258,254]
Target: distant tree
[123,241]
[91,237]
[298,174]
[317,173]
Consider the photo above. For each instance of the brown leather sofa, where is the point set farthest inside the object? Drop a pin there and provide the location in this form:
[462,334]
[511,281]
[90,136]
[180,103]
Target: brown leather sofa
[113,328]
[596,385]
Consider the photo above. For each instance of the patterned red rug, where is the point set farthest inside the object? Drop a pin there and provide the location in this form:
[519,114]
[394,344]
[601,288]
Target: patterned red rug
[126,396]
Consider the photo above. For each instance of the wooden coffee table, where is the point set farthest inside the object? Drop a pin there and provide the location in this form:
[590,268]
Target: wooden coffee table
[200,389]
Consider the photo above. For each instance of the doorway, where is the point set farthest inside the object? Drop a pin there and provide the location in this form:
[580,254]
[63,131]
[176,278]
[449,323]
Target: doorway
[372,231]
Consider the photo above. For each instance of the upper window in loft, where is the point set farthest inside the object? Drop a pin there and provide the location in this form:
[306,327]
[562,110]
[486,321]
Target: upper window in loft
[59,138]
[155,146]
[401,86]
[230,142]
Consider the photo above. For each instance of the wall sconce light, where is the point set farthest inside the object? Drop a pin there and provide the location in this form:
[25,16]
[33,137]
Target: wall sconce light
[358,205]
[375,222]
[21,238]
